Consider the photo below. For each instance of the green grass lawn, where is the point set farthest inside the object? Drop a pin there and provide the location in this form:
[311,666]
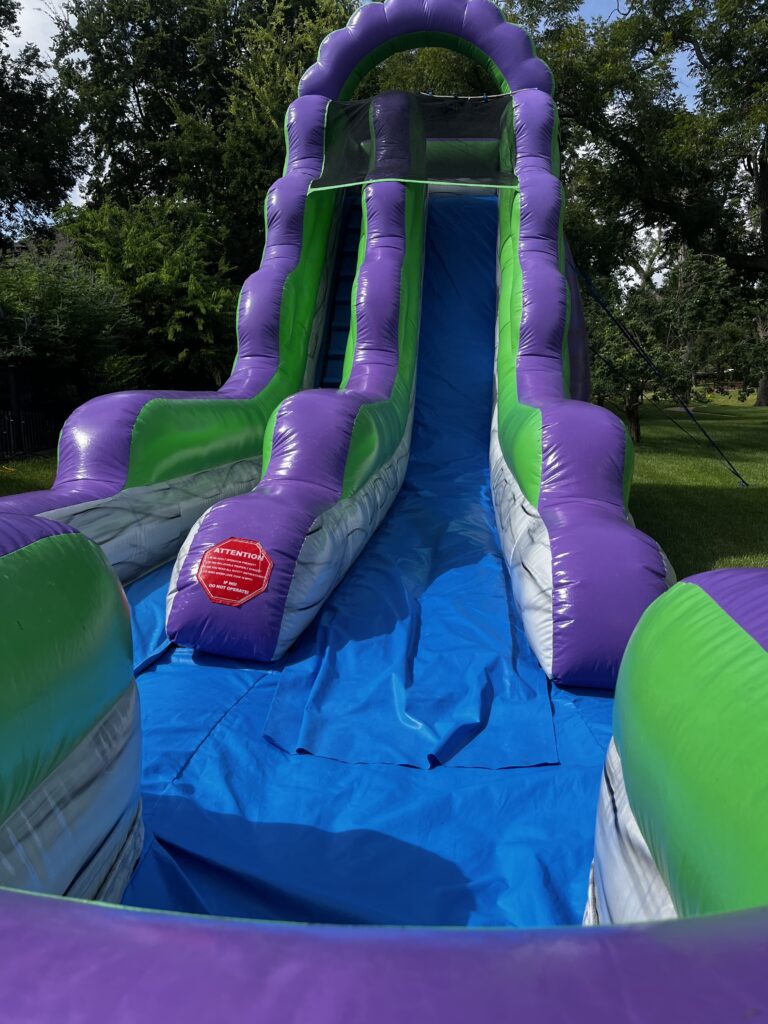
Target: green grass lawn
[683,496]
[686,499]
[31,474]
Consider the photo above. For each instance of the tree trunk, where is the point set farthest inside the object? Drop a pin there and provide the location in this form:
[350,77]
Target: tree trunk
[632,412]
[762,390]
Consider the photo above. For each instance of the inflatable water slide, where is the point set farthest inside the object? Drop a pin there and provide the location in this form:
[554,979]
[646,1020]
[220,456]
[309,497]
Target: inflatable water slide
[337,645]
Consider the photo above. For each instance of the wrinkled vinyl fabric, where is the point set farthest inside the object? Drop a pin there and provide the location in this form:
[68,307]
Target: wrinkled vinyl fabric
[238,826]
[147,599]
[70,743]
[625,885]
[142,527]
[79,832]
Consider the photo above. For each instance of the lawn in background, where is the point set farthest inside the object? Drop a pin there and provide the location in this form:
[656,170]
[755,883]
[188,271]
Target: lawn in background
[685,498]
[32,474]
[682,495]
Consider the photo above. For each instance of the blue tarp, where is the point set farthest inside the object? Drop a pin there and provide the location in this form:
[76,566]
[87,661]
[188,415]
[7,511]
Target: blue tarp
[446,784]
[147,600]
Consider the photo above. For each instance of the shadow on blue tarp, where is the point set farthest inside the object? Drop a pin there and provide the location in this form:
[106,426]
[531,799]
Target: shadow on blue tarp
[295,872]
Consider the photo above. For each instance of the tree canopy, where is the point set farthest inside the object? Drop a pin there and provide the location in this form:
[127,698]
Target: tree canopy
[39,135]
[171,114]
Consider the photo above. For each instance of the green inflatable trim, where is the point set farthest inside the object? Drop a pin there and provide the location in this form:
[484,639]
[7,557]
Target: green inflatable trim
[418,40]
[67,656]
[691,719]
[519,424]
[349,351]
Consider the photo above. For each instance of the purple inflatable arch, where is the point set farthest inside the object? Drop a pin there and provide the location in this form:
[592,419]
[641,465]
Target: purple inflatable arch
[377,30]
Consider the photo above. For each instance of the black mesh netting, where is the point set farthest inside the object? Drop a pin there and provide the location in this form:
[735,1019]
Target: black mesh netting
[465,141]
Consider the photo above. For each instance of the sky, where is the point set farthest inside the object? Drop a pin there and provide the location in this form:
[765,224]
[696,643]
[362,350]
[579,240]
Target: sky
[605,8]
[35,24]
[599,8]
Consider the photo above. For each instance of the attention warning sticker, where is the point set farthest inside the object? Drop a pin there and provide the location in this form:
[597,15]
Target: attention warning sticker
[234,571]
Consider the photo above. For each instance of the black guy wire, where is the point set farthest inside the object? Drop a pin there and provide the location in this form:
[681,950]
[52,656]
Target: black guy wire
[649,362]
[625,380]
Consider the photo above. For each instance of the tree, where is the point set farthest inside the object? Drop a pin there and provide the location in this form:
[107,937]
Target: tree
[694,316]
[166,254]
[761,331]
[619,375]
[639,159]
[188,99]
[740,353]
[183,107]
[638,155]
[38,135]
[725,41]
[65,325]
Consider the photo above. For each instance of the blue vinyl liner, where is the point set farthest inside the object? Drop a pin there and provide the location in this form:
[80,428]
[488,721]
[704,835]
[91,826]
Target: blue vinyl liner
[146,597]
[446,784]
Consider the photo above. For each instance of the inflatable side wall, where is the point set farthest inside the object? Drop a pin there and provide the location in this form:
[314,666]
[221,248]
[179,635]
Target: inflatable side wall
[70,743]
[688,766]
[709,970]
[561,468]
[137,468]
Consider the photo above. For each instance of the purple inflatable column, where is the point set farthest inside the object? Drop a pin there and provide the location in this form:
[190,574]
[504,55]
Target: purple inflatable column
[311,442]
[604,571]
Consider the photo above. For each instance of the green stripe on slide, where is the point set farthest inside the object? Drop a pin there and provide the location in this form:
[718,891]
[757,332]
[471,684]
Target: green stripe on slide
[349,351]
[519,424]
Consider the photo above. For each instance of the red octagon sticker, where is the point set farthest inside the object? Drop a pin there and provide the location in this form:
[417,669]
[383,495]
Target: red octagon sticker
[234,571]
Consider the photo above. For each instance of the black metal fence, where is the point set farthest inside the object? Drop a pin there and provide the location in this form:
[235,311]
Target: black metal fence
[26,431]
[31,412]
